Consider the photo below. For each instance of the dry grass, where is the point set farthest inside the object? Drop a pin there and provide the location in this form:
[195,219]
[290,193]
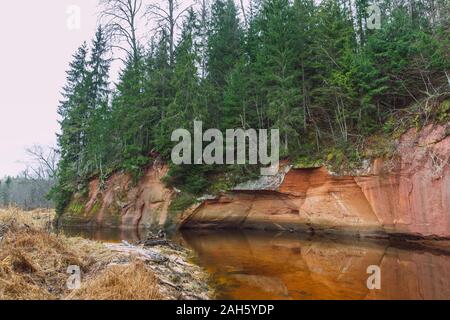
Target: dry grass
[40,219]
[34,262]
[121,282]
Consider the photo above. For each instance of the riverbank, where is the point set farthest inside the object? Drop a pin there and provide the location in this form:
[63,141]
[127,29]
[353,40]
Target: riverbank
[403,194]
[34,263]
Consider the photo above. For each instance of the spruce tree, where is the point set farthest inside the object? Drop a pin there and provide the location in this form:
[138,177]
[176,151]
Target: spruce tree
[71,140]
[225,38]
[98,122]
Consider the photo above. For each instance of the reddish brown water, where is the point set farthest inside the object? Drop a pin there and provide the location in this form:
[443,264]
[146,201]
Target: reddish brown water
[255,265]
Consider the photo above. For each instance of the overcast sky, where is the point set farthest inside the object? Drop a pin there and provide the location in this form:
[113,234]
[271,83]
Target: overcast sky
[38,39]
[36,48]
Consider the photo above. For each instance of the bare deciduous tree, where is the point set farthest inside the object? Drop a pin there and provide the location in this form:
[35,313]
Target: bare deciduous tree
[243,12]
[42,162]
[168,16]
[121,18]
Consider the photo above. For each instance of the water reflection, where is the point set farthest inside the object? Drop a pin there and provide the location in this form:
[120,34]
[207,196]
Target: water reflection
[255,265]
[111,235]
[262,265]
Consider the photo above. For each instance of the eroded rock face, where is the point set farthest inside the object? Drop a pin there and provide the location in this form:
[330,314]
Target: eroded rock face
[407,195]
[122,204]
[306,200]
[413,197]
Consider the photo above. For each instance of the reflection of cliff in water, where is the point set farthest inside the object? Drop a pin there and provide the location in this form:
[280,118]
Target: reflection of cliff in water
[111,235]
[258,265]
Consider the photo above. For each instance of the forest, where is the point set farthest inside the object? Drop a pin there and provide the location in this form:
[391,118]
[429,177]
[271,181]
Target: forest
[30,189]
[312,69]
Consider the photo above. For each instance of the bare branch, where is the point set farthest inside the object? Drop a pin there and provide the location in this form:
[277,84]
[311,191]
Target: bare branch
[43,162]
[120,19]
[169,15]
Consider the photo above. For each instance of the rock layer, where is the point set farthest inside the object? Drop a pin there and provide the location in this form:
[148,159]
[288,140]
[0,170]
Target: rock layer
[308,199]
[409,194]
[121,203]
[413,197]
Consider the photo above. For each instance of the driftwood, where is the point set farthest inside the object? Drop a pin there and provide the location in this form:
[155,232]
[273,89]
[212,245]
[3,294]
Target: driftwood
[155,242]
[144,254]
[159,239]
[160,242]
[177,278]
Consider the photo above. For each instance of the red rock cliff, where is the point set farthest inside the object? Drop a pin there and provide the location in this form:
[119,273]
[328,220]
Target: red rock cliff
[407,195]
[121,203]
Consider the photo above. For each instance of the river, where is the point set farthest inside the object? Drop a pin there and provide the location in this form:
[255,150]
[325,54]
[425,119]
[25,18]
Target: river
[266,265]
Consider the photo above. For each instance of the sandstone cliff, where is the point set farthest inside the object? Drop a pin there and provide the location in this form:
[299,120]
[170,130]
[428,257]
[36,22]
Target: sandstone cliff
[409,194]
[121,203]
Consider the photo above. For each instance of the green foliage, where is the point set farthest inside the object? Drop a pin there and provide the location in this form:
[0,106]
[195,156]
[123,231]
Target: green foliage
[134,162]
[443,113]
[181,202]
[83,140]
[220,185]
[309,68]
[308,162]
[76,208]
[192,179]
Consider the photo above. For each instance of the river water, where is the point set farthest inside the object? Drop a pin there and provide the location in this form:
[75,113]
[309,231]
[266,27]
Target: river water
[266,265]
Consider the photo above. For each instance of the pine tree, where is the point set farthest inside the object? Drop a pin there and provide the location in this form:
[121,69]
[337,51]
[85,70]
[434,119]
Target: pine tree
[71,141]
[185,105]
[276,62]
[131,132]
[225,38]
[99,115]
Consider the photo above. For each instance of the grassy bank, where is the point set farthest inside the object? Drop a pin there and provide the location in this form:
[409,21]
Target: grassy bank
[34,262]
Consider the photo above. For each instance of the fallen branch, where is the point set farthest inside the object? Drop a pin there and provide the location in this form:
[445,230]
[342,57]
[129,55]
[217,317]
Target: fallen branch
[147,254]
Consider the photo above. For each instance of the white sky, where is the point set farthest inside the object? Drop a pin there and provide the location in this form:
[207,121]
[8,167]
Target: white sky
[36,48]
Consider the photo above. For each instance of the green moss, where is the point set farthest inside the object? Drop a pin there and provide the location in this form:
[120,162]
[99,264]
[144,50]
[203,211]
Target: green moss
[443,113]
[221,185]
[306,162]
[343,159]
[389,125]
[336,157]
[76,208]
[181,202]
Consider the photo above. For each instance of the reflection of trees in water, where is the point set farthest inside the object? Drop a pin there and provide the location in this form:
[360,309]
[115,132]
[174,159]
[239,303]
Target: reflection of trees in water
[264,265]
[105,234]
